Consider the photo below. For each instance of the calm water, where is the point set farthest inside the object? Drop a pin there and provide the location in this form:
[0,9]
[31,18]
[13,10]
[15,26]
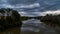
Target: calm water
[32,26]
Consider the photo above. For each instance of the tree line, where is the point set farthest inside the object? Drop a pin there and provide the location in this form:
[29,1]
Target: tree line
[51,19]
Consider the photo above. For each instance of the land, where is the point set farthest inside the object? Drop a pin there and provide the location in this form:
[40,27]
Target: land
[51,19]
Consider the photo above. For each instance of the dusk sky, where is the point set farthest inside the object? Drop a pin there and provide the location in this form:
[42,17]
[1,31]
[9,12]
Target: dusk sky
[32,7]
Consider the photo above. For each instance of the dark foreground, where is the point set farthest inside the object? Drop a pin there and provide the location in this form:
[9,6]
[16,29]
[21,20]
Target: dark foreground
[15,30]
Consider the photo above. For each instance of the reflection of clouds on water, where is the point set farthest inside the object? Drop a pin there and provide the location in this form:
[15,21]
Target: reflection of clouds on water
[30,29]
[34,25]
[31,25]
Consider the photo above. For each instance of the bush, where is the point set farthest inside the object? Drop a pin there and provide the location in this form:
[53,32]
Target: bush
[51,19]
[9,18]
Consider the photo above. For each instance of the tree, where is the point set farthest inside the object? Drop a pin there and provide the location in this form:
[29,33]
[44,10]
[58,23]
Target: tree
[10,18]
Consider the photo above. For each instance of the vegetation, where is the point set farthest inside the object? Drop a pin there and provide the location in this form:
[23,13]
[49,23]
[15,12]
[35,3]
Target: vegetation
[9,18]
[23,18]
[53,20]
[26,18]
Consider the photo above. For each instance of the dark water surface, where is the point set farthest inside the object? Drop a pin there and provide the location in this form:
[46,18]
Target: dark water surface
[15,30]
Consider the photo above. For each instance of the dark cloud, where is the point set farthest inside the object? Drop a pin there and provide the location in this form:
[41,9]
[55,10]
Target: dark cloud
[3,1]
[13,2]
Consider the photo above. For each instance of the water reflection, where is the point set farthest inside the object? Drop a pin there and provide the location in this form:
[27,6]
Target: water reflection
[31,25]
[34,26]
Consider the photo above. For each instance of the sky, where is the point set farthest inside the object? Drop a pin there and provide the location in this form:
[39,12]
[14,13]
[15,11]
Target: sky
[32,7]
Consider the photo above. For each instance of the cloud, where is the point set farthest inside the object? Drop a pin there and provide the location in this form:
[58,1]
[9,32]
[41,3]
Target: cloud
[4,1]
[14,2]
[52,12]
[33,14]
[27,6]
[21,5]
[6,6]
[56,12]
[23,13]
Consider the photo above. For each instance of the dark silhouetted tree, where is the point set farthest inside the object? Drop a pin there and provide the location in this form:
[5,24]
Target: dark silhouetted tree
[9,18]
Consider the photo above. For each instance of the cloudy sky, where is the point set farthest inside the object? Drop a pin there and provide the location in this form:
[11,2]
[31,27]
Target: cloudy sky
[32,7]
